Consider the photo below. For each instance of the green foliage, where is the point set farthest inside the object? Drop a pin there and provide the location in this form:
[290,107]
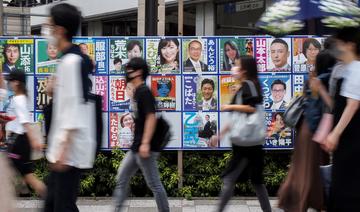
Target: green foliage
[202,174]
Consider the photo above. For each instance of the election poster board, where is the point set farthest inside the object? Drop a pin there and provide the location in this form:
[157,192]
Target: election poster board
[190,79]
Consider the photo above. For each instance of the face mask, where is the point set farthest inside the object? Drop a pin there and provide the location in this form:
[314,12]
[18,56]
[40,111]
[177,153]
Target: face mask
[127,76]
[47,33]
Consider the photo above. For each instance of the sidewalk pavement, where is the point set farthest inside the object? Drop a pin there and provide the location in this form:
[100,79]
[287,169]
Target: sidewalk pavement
[149,205]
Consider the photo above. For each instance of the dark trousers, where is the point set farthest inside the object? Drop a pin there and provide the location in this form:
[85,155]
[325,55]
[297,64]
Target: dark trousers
[63,189]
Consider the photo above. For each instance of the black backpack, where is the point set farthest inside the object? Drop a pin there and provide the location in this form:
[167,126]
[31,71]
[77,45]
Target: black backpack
[97,99]
[162,134]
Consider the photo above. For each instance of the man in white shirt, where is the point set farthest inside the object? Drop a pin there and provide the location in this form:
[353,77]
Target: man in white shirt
[193,63]
[72,142]
[279,52]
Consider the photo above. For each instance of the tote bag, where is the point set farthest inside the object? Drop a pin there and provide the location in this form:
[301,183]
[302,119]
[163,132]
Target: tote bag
[248,129]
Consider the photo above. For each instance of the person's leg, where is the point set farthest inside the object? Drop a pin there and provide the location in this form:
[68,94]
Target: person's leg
[50,196]
[67,188]
[150,171]
[127,169]
[36,184]
[263,196]
[229,182]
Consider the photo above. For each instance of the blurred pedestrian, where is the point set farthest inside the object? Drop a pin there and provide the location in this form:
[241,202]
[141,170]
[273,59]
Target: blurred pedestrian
[72,120]
[246,162]
[303,188]
[20,136]
[144,152]
[343,141]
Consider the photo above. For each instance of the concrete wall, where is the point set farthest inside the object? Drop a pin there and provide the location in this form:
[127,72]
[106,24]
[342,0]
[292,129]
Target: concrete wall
[14,24]
[92,9]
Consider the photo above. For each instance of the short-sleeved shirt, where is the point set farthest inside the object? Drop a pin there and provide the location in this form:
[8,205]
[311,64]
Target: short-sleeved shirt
[351,85]
[247,97]
[18,108]
[144,105]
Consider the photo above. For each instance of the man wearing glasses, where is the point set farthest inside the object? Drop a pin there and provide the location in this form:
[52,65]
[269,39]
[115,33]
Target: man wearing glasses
[278,91]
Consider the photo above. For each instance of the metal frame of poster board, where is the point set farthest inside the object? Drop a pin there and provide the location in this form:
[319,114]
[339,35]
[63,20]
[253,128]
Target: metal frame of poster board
[179,114]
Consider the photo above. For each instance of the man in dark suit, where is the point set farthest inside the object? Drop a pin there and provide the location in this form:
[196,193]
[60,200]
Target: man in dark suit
[278,91]
[193,63]
[206,132]
[11,54]
[207,102]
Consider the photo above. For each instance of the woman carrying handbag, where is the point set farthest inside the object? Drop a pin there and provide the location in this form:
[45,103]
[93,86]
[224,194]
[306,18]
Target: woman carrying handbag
[247,157]
[20,134]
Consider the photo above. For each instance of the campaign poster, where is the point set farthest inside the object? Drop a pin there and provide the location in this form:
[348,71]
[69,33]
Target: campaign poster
[163,55]
[122,128]
[17,54]
[119,94]
[298,83]
[231,49]
[121,51]
[87,47]
[198,127]
[278,135]
[276,90]
[101,83]
[199,55]
[164,91]
[47,57]
[225,119]
[261,54]
[96,50]
[206,98]
[174,120]
[42,99]
[304,54]
[39,118]
[228,89]
[278,55]
[190,88]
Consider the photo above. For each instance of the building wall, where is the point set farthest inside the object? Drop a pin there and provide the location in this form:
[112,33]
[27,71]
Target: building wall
[16,21]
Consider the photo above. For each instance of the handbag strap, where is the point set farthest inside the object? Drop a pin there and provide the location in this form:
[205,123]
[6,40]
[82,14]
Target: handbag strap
[252,88]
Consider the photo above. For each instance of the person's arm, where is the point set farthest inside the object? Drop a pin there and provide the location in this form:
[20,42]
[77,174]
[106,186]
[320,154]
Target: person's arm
[352,106]
[239,108]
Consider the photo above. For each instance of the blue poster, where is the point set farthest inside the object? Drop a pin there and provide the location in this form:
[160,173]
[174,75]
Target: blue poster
[190,82]
[278,135]
[276,90]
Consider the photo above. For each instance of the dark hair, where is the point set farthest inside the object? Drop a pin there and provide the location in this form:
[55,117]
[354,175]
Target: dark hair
[325,61]
[19,76]
[6,46]
[207,115]
[117,60]
[330,43]
[138,63]
[163,43]
[279,40]
[312,41]
[350,35]
[82,44]
[197,41]
[67,16]
[233,46]
[168,83]
[208,81]
[132,44]
[276,114]
[248,64]
[278,82]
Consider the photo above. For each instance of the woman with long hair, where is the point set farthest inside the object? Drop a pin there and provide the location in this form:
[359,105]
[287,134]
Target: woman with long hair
[19,131]
[303,187]
[231,54]
[246,162]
